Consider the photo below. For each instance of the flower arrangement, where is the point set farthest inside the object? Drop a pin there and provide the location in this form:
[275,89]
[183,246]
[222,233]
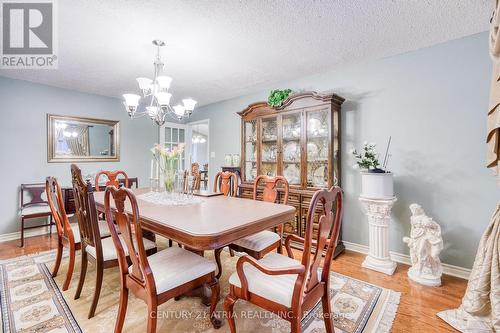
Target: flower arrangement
[168,162]
[367,159]
[276,97]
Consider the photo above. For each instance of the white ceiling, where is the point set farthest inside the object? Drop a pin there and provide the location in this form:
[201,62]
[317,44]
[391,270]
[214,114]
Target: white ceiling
[225,48]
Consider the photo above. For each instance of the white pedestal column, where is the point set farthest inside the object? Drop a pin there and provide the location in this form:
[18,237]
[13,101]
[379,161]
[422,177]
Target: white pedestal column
[378,212]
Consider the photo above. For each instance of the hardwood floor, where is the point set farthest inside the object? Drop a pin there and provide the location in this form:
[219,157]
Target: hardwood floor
[419,304]
[417,309]
[32,245]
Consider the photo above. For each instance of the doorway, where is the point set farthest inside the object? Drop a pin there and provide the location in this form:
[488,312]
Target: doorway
[197,148]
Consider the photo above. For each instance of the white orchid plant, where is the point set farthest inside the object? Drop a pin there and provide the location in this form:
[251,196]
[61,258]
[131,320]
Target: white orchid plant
[367,159]
[169,161]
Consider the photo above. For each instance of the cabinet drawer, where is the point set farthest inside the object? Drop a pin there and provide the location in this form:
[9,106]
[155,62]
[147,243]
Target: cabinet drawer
[293,198]
[246,193]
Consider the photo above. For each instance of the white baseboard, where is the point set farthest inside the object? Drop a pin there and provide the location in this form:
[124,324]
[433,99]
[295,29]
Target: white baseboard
[452,270]
[27,233]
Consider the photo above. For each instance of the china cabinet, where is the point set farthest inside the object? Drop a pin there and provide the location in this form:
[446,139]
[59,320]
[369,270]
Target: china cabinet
[299,140]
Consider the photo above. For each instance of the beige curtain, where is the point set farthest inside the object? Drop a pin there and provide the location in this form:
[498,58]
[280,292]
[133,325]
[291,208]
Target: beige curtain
[493,136]
[80,146]
[480,308]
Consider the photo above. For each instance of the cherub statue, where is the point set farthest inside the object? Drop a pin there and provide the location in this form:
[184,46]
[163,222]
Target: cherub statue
[425,243]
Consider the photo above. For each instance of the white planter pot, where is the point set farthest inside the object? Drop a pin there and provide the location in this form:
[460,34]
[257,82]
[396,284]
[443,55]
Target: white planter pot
[377,185]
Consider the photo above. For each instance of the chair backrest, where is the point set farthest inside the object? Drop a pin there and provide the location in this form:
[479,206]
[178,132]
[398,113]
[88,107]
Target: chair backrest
[56,204]
[132,182]
[195,167]
[85,210]
[112,178]
[270,192]
[329,203]
[227,183]
[141,272]
[196,181]
[35,192]
[195,171]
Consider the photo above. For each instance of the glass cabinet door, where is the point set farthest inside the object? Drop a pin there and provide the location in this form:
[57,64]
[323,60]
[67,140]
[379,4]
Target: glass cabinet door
[269,147]
[317,147]
[250,128]
[291,152]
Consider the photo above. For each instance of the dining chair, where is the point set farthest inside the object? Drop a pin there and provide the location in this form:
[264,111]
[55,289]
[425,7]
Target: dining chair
[67,235]
[112,178]
[132,182]
[34,206]
[167,274]
[261,243]
[101,252]
[286,286]
[195,171]
[196,180]
[226,183]
[204,176]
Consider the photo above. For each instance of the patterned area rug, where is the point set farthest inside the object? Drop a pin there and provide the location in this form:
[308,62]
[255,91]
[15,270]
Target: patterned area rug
[358,306]
[30,299]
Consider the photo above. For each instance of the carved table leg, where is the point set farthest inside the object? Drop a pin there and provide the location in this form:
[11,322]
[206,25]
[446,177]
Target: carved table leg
[217,260]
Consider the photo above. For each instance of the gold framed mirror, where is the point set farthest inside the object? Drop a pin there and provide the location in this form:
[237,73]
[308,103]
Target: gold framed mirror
[78,139]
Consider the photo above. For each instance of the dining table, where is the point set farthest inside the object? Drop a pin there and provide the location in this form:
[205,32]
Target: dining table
[209,222]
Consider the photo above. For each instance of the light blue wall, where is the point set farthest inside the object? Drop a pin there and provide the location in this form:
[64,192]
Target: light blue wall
[433,102]
[23,139]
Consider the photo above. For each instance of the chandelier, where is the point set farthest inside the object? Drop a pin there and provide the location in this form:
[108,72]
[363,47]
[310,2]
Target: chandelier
[155,92]
[198,139]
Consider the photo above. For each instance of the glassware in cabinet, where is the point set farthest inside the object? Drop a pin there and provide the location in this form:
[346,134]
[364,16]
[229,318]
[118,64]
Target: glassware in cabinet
[318,147]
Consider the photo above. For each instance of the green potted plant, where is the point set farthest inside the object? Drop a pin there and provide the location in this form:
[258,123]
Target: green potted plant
[276,97]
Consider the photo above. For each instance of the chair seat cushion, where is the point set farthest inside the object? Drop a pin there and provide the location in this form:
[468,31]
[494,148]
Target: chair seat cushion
[35,209]
[258,241]
[175,266]
[109,250]
[276,288]
[103,230]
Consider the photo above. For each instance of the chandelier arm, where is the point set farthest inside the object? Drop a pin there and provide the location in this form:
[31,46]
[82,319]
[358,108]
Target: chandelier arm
[138,114]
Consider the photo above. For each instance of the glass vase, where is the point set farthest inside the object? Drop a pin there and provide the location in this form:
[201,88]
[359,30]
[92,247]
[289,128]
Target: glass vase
[169,179]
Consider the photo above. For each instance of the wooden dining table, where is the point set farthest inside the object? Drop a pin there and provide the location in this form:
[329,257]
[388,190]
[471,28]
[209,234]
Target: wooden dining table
[210,223]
